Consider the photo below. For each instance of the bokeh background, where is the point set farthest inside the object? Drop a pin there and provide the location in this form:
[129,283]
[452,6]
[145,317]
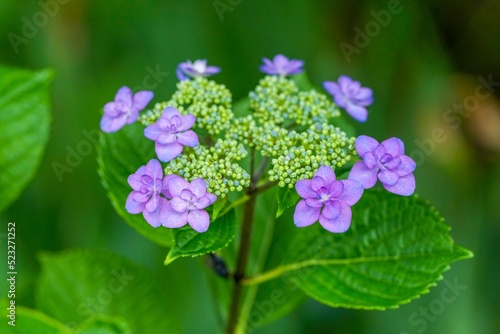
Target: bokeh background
[424,66]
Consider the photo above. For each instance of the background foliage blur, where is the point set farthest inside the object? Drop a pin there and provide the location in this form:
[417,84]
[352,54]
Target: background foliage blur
[423,63]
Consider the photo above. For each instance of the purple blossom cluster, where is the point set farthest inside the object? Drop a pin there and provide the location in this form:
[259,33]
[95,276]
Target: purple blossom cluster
[182,202]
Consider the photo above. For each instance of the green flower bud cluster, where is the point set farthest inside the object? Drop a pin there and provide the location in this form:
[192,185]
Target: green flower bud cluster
[277,99]
[208,101]
[301,154]
[214,164]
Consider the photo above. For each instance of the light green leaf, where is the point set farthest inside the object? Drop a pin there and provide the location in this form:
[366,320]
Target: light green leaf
[104,325]
[286,198]
[120,155]
[76,286]
[24,128]
[188,242]
[395,250]
[31,321]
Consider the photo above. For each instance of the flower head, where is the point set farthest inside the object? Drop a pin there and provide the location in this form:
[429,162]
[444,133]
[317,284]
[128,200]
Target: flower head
[171,133]
[124,109]
[194,70]
[187,204]
[349,94]
[326,199]
[147,185]
[385,161]
[281,65]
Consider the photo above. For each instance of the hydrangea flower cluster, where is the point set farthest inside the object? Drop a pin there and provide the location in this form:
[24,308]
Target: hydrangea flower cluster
[204,146]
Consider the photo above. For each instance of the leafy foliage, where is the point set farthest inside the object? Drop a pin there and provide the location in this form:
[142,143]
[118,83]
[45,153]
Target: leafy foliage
[24,128]
[76,286]
[188,242]
[286,198]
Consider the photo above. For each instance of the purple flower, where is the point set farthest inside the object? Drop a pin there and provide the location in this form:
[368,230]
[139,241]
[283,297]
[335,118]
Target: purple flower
[171,133]
[187,204]
[124,109]
[194,70]
[388,162]
[281,65]
[326,199]
[147,183]
[349,95]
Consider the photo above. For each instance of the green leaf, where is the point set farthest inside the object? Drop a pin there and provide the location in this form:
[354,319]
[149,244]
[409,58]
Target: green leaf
[120,155]
[188,242]
[104,325]
[76,286]
[395,250]
[31,321]
[286,198]
[24,128]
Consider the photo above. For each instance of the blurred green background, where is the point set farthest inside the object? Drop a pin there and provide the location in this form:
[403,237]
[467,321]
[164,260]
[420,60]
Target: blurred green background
[423,63]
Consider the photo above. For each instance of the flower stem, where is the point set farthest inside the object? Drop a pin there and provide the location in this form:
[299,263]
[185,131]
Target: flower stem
[239,275]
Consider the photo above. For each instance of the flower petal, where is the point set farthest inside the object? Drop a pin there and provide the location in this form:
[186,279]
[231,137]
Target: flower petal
[357,112]
[168,152]
[178,204]
[317,183]
[186,123]
[365,144]
[339,225]
[124,95]
[141,99]
[314,202]
[169,112]
[113,124]
[394,146]
[154,169]
[164,189]
[155,218]
[132,206]
[175,185]
[364,175]
[406,166]
[134,181]
[304,189]
[304,215]
[166,138]
[198,187]
[188,138]
[327,173]
[199,220]
[404,187]
[353,191]
[172,218]
[388,178]
[332,210]
[331,87]
[153,131]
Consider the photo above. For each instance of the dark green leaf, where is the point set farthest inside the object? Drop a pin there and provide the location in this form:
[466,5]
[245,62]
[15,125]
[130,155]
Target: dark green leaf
[121,154]
[76,286]
[24,128]
[188,242]
[286,198]
[395,250]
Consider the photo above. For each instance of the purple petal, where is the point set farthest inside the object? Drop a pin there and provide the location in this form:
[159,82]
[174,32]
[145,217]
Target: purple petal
[164,189]
[211,70]
[359,113]
[317,183]
[124,95]
[154,169]
[336,188]
[392,163]
[180,75]
[331,87]
[211,198]
[166,138]
[170,112]
[141,99]
[332,210]
[406,166]
[187,122]
[132,206]
[339,225]
[178,204]
[175,185]
[394,146]
[327,173]
[280,60]
[304,189]
[202,203]
[404,187]
[135,182]
[168,152]
[199,220]
[370,160]
[364,175]
[141,197]
[352,192]
[388,178]
[365,144]
[111,110]
[153,131]
[364,96]
[156,218]
[188,138]
[172,218]
[305,215]
[345,82]
[314,202]
[198,187]
[152,204]
[113,124]
[379,151]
